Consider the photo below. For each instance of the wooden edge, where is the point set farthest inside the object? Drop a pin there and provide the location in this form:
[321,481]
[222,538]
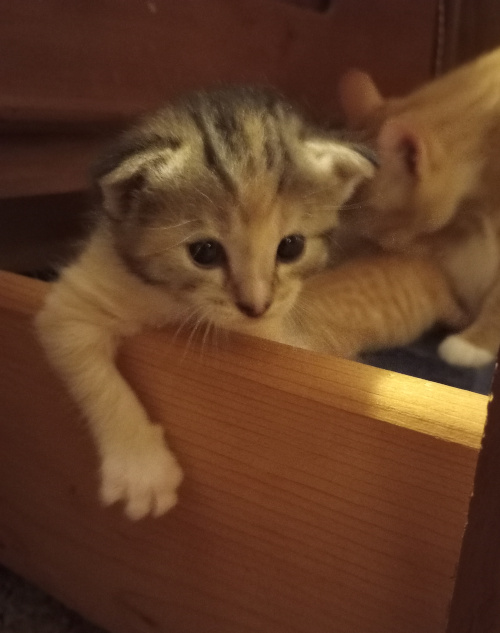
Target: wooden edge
[476,598]
[424,406]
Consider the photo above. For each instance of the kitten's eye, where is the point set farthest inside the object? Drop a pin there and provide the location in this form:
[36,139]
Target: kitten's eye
[290,248]
[208,253]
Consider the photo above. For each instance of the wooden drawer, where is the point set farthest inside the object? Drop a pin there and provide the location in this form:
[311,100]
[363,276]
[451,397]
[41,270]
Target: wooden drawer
[320,495]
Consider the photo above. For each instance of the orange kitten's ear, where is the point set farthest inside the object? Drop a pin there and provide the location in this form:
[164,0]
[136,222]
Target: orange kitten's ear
[403,141]
[359,97]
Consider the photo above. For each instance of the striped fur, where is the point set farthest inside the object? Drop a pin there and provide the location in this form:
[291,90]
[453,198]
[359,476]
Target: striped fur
[239,172]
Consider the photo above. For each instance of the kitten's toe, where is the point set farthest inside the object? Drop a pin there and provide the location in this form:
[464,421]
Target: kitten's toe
[138,506]
[164,502]
[156,493]
[112,489]
[456,350]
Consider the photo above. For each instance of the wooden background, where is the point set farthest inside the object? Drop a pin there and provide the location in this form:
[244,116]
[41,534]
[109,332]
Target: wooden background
[75,71]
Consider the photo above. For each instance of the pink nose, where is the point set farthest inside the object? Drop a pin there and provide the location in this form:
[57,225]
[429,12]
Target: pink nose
[251,310]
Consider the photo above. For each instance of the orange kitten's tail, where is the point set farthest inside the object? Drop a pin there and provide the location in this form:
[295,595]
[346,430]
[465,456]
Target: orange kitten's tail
[375,302]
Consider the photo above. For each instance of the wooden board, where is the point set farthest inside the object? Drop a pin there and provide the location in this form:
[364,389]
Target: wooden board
[320,495]
[38,233]
[75,61]
[472,28]
[39,164]
[76,71]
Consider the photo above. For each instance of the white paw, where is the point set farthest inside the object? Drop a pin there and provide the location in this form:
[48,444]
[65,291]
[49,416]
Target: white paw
[144,475]
[458,351]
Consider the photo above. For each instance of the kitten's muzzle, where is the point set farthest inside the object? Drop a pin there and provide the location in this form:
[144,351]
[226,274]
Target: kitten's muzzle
[252,310]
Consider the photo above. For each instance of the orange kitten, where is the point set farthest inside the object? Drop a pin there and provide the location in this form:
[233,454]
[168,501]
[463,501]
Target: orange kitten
[437,191]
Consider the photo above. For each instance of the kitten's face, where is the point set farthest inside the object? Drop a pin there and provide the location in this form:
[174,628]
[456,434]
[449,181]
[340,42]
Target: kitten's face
[226,202]
[414,192]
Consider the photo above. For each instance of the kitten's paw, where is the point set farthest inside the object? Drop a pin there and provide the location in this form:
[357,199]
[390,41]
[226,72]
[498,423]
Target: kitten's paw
[144,475]
[456,350]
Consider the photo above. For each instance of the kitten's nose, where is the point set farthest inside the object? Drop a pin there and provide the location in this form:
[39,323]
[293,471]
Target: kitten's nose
[253,310]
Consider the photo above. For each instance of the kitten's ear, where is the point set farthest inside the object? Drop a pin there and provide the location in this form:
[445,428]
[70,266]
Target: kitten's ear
[121,179]
[359,97]
[403,142]
[117,190]
[331,159]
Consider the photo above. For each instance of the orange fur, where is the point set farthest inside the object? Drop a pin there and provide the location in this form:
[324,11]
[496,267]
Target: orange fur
[372,302]
[437,192]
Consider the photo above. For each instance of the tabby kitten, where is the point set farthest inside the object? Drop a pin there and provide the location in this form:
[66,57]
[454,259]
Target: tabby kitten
[437,191]
[213,210]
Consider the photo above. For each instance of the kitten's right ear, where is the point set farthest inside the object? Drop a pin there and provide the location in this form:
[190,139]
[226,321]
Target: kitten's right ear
[123,176]
[359,97]
[119,175]
[118,188]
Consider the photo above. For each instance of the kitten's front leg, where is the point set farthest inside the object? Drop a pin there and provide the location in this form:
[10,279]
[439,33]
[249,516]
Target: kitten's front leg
[136,465]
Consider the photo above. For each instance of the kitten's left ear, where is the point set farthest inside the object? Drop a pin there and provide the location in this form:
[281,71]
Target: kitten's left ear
[349,164]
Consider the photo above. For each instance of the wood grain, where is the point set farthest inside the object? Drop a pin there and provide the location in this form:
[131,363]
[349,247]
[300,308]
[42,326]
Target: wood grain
[39,164]
[320,495]
[67,60]
[77,71]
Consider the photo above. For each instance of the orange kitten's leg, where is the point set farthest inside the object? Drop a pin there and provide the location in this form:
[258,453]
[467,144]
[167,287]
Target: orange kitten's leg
[478,344]
[375,302]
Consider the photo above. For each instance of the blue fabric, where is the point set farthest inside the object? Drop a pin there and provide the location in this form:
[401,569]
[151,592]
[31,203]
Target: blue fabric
[422,361]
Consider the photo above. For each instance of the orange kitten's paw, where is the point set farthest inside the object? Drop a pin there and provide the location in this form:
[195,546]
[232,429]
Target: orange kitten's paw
[456,350]
[145,476]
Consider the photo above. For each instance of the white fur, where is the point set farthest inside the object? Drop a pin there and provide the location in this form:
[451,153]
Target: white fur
[324,155]
[96,302]
[79,326]
[456,350]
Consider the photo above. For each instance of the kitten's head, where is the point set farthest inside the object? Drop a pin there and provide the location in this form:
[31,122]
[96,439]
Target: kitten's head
[225,199]
[414,191]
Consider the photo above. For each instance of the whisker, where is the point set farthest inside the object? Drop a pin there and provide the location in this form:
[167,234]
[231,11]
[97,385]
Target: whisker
[204,195]
[208,326]
[215,336]
[165,250]
[190,339]
[190,315]
[170,227]
[352,205]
